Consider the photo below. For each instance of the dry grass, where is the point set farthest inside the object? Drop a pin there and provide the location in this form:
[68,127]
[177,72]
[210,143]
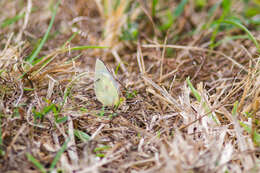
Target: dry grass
[165,123]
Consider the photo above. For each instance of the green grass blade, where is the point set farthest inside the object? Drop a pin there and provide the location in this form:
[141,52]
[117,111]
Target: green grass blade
[36,52]
[154,3]
[86,47]
[211,12]
[200,3]
[58,155]
[250,35]
[249,130]
[193,90]
[117,68]
[180,8]
[104,147]
[84,137]
[1,140]
[71,38]
[226,5]
[171,17]
[198,98]
[234,110]
[73,59]
[10,21]
[64,50]
[36,163]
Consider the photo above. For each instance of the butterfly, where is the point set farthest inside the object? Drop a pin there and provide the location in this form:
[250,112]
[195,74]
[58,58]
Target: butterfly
[105,86]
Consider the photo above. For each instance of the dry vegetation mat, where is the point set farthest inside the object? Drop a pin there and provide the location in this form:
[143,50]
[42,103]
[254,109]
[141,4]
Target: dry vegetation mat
[177,86]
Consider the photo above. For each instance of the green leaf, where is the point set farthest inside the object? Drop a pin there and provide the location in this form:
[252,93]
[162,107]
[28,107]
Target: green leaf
[62,120]
[193,90]
[10,21]
[154,4]
[58,155]
[84,110]
[180,8]
[69,40]
[249,130]
[198,98]
[105,147]
[250,35]
[28,89]
[117,68]
[110,116]
[37,115]
[210,14]
[130,32]
[234,110]
[226,5]
[102,112]
[100,155]
[55,112]
[36,163]
[131,94]
[81,135]
[200,3]
[47,109]
[171,17]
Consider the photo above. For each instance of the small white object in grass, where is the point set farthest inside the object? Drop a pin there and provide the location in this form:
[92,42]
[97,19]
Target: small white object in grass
[105,86]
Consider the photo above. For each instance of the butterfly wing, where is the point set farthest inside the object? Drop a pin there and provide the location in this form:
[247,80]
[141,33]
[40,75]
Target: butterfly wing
[100,67]
[105,86]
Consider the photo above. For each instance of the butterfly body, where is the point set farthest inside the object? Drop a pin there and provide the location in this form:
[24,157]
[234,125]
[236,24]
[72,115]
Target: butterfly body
[105,86]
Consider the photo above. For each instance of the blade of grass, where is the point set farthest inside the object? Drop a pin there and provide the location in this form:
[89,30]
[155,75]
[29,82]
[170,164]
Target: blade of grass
[86,47]
[36,163]
[117,68]
[73,59]
[180,8]
[172,17]
[249,130]
[1,140]
[10,21]
[250,35]
[104,147]
[211,12]
[63,50]
[198,98]
[200,3]
[36,52]
[68,89]
[81,135]
[69,40]
[234,110]
[154,3]
[193,90]
[226,5]
[58,155]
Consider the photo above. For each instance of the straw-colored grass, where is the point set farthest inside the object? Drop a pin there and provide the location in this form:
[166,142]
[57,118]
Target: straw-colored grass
[189,86]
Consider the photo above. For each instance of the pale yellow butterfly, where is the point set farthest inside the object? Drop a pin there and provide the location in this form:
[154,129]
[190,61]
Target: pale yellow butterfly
[105,86]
